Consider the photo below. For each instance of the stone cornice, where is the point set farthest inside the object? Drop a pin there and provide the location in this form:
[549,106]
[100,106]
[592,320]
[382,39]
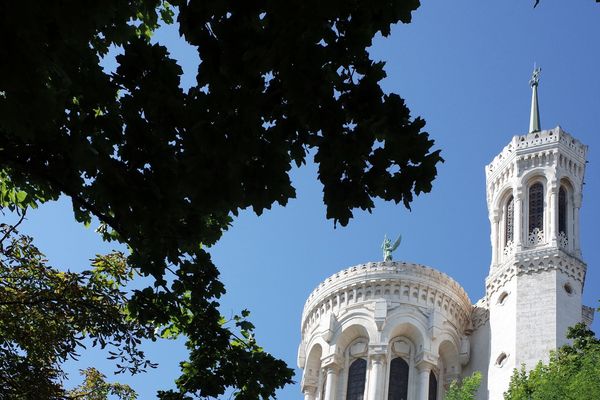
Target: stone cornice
[537,142]
[426,361]
[480,314]
[529,262]
[394,282]
[553,151]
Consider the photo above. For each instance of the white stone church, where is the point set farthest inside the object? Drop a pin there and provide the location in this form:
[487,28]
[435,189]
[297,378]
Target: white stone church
[402,331]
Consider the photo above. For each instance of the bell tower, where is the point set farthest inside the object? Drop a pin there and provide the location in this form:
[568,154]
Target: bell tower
[536,279]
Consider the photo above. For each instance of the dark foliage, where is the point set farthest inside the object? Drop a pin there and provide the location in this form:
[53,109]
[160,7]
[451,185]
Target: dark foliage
[165,170]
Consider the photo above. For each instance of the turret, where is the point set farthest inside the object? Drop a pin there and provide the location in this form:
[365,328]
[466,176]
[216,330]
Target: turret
[536,278]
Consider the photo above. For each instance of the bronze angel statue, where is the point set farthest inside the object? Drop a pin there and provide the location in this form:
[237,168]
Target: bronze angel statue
[388,247]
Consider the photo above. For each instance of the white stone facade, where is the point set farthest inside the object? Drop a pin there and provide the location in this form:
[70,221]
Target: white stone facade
[365,325]
[378,312]
[536,278]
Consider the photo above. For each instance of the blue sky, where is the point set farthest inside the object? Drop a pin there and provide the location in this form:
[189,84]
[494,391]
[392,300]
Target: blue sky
[464,67]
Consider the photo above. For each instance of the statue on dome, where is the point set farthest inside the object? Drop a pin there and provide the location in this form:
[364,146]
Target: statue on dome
[388,247]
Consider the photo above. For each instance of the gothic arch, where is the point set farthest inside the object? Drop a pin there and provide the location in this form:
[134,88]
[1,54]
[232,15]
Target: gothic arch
[402,346]
[353,327]
[565,180]
[532,176]
[353,372]
[357,379]
[536,218]
[401,374]
[398,379]
[312,368]
[565,228]
[317,341]
[503,194]
[447,342]
[408,325]
[506,218]
[449,359]
[536,207]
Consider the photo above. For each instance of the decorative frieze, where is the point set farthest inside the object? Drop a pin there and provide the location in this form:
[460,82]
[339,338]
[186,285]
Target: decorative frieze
[386,284]
[530,262]
[538,142]
[480,314]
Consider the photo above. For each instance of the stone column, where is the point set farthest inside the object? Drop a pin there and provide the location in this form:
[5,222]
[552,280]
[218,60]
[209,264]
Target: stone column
[553,211]
[331,372]
[309,385]
[424,371]
[424,368]
[553,218]
[375,377]
[575,236]
[519,220]
[495,242]
[309,393]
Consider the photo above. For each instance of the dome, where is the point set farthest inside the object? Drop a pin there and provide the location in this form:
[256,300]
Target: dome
[394,281]
[383,317]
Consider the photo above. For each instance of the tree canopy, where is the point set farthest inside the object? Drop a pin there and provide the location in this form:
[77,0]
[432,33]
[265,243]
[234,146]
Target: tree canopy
[46,314]
[165,170]
[465,390]
[573,372]
[95,387]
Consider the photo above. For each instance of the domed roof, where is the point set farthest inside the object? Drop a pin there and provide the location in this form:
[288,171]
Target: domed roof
[395,281]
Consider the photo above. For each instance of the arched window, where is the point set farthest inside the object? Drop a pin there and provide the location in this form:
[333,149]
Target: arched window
[562,210]
[433,384]
[357,374]
[509,221]
[398,380]
[536,207]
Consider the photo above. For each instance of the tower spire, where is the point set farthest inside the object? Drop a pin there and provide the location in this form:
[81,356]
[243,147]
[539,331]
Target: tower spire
[534,119]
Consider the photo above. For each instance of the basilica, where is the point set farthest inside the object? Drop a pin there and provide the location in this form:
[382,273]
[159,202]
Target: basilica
[402,331]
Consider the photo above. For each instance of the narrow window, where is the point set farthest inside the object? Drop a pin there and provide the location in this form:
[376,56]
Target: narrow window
[562,210]
[357,374]
[536,207]
[398,380]
[433,384]
[509,221]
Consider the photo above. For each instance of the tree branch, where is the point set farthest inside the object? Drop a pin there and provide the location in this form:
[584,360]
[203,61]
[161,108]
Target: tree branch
[11,230]
[61,187]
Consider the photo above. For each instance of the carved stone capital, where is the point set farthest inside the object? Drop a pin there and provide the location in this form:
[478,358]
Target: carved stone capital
[375,349]
[519,194]
[331,362]
[495,216]
[377,353]
[309,384]
[426,361]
